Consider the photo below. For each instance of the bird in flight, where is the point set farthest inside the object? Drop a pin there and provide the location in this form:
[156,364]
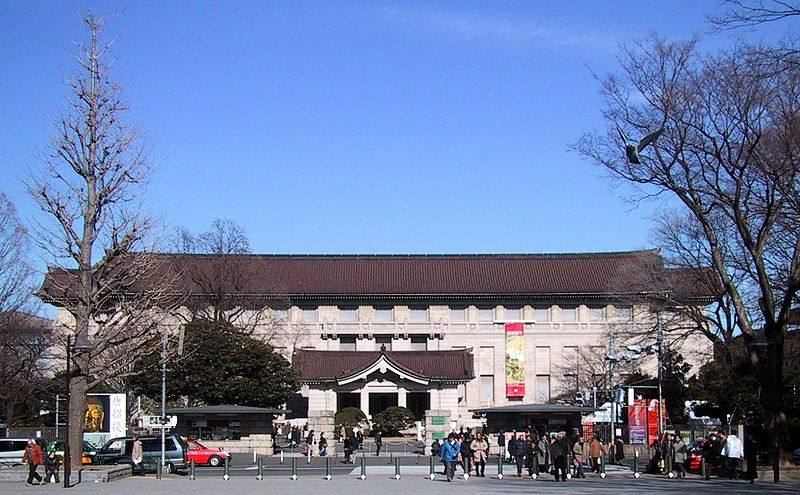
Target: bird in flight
[632,150]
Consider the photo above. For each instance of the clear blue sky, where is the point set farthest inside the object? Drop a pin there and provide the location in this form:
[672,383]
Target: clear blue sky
[356,127]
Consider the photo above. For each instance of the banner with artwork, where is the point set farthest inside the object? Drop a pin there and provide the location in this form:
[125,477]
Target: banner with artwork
[105,417]
[515,359]
[643,421]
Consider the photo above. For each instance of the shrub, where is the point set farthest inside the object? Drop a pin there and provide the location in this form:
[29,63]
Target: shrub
[349,417]
[394,419]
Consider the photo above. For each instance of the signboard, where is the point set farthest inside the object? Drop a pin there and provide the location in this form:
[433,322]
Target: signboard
[515,359]
[437,420]
[105,417]
[643,420]
[437,434]
[155,422]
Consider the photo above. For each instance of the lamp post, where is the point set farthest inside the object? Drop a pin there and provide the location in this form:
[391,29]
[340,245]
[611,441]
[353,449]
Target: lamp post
[81,344]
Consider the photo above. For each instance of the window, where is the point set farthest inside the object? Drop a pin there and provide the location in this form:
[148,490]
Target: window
[570,383]
[514,313]
[462,392]
[281,315]
[487,389]
[458,314]
[541,314]
[623,314]
[383,341]
[419,314]
[486,315]
[597,314]
[348,315]
[383,314]
[308,315]
[542,388]
[419,342]
[569,314]
[347,342]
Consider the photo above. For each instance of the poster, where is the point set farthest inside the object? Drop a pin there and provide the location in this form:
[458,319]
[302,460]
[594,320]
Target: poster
[643,421]
[105,417]
[515,359]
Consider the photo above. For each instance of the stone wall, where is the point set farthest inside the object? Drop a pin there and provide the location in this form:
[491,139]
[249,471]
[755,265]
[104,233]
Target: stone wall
[321,421]
[260,444]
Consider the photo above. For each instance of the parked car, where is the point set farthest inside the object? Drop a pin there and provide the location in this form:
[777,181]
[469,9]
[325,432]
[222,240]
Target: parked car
[118,451]
[12,450]
[694,455]
[202,455]
[58,445]
[796,457]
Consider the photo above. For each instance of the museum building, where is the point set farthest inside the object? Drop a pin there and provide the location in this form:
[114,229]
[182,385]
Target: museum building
[455,333]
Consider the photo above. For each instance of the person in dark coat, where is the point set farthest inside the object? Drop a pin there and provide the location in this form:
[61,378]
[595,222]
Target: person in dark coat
[466,452]
[510,444]
[561,448]
[348,449]
[751,458]
[436,448]
[520,450]
[378,440]
[501,442]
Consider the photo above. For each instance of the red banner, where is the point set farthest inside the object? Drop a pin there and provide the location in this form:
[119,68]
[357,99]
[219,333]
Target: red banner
[643,420]
[515,359]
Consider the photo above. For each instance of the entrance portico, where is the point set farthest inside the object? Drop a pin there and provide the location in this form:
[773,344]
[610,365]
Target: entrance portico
[376,380]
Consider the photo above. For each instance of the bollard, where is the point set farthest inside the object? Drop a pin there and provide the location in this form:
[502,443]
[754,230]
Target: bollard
[281,456]
[396,468]
[328,468]
[363,468]
[568,473]
[418,458]
[294,468]
[191,470]
[308,455]
[159,470]
[535,474]
[391,459]
[670,467]
[499,468]
[227,469]
[260,475]
[704,469]
[602,467]
[432,474]
[636,472]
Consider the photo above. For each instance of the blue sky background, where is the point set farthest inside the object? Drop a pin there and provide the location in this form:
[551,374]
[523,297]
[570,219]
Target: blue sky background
[357,127]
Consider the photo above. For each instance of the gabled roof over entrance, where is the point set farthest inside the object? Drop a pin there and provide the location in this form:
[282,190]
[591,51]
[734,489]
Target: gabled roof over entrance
[419,366]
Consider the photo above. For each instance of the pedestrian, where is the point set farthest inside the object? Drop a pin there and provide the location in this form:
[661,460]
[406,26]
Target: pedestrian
[751,458]
[378,440]
[436,448]
[595,453]
[296,435]
[679,453]
[480,454]
[520,450]
[733,451]
[323,445]
[579,457]
[501,442]
[51,465]
[311,440]
[619,450]
[348,449]
[137,456]
[450,454]
[530,453]
[466,452]
[342,432]
[561,449]
[34,457]
[544,454]
[510,444]
[359,436]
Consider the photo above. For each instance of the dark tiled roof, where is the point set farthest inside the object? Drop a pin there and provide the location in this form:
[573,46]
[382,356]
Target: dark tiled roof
[298,276]
[536,409]
[453,365]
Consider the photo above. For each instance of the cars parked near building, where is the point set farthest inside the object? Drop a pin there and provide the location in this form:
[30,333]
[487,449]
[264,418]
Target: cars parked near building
[118,451]
[202,455]
[12,449]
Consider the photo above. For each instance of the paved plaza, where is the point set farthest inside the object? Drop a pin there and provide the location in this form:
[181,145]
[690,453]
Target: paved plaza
[410,485]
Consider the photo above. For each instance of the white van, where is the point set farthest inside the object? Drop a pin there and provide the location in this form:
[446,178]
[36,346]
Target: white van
[12,450]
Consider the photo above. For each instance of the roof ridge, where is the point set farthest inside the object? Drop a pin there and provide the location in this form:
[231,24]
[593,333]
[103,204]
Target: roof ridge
[585,254]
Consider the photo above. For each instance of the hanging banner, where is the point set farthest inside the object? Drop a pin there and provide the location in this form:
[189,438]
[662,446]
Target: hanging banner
[643,421]
[515,359]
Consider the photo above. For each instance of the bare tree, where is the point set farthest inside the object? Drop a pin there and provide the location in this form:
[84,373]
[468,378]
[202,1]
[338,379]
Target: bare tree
[15,270]
[88,188]
[744,13]
[728,156]
[588,370]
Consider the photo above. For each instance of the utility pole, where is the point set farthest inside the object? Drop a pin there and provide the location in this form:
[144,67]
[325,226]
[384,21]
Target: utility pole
[660,337]
[163,396]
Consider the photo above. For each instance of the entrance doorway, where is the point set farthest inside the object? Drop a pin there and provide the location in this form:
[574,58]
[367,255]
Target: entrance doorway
[418,402]
[344,399]
[379,402]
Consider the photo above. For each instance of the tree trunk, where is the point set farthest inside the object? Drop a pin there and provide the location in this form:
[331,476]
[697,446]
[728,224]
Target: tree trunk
[772,398]
[77,411]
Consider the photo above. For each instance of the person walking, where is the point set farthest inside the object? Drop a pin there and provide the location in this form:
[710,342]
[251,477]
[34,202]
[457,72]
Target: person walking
[322,444]
[679,453]
[733,451]
[451,450]
[311,441]
[520,450]
[436,448]
[561,449]
[34,457]
[51,465]
[619,450]
[480,454]
[378,440]
[579,457]
[501,442]
[510,445]
[544,454]
[137,456]
[342,432]
[466,452]
[595,453]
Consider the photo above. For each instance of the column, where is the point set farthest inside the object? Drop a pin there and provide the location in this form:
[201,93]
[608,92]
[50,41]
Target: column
[402,397]
[365,402]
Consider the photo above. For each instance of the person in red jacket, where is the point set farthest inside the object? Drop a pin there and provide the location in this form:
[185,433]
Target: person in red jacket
[34,457]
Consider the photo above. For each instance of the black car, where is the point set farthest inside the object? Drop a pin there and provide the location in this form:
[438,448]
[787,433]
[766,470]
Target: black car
[118,451]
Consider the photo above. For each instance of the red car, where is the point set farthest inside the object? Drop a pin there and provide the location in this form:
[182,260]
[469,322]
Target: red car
[202,455]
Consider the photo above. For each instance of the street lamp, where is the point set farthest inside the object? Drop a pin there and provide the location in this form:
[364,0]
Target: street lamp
[81,344]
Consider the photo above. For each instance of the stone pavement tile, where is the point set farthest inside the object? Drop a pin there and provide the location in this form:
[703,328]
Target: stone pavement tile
[410,485]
